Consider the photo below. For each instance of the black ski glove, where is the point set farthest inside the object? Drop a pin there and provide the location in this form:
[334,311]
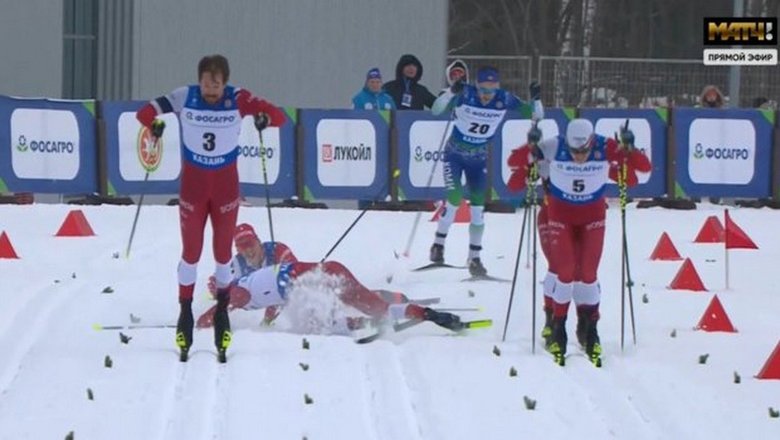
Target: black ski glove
[261,121]
[535,90]
[158,127]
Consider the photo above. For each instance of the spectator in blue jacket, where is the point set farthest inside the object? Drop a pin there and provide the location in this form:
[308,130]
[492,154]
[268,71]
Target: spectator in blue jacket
[372,97]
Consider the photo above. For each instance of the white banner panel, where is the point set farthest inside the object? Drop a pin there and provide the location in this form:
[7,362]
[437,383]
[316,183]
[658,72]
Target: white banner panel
[346,152]
[250,162]
[721,151]
[514,134]
[45,144]
[642,137]
[425,138]
[137,152]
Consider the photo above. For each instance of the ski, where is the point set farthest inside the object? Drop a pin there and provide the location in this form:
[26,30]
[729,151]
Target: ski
[437,266]
[486,278]
[425,301]
[404,325]
[99,327]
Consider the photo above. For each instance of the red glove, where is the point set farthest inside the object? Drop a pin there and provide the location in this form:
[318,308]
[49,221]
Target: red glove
[207,319]
[271,313]
[519,161]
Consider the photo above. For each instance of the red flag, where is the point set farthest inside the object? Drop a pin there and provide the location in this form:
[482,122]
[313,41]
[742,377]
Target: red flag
[736,238]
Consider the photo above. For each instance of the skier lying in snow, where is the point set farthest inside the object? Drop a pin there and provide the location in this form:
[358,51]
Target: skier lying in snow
[258,284]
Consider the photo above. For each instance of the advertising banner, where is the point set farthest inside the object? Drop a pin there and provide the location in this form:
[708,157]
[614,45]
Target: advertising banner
[52,146]
[131,154]
[649,128]
[346,154]
[723,153]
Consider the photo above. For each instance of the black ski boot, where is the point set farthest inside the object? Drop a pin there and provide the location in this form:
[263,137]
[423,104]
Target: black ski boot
[476,269]
[444,319]
[184,329]
[559,340]
[592,343]
[437,253]
[582,325]
[222,335]
[547,329]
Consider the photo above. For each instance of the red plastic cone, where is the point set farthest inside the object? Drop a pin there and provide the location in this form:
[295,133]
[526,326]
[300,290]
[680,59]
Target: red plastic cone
[6,248]
[463,215]
[735,237]
[711,231]
[665,250]
[75,225]
[687,278]
[715,318]
[771,368]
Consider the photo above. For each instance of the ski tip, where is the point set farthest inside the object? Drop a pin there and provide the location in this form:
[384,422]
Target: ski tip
[97,327]
[481,323]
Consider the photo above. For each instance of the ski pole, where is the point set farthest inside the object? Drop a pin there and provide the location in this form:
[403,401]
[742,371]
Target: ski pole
[625,272]
[526,208]
[267,197]
[418,215]
[395,175]
[138,208]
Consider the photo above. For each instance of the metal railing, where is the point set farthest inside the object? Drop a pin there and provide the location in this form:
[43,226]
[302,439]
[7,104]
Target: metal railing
[515,71]
[625,82]
[638,82]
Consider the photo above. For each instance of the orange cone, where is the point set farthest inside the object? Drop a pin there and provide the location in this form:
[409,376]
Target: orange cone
[463,214]
[75,225]
[711,232]
[687,278]
[715,318]
[6,248]
[665,250]
[771,368]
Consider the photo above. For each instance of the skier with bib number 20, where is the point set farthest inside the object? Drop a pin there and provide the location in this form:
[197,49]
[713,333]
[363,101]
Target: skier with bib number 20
[477,112]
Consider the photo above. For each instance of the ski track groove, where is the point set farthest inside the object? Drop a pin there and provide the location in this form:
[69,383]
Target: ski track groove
[606,403]
[219,403]
[171,400]
[33,331]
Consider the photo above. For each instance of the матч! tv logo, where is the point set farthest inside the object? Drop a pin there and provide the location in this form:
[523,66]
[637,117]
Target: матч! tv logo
[730,31]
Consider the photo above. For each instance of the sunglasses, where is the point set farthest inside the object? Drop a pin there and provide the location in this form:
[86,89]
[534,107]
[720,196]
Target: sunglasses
[488,90]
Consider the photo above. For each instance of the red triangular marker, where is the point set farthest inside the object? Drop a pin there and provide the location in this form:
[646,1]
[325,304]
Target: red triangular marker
[711,231]
[6,248]
[736,238]
[715,318]
[665,250]
[462,215]
[687,278]
[75,225]
[771,368]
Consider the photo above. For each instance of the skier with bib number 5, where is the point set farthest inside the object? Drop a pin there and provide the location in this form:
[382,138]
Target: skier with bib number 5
[477,112]
[580,163]
[210,115]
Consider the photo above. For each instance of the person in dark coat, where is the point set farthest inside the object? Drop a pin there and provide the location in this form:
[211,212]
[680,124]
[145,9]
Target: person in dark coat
[405,89]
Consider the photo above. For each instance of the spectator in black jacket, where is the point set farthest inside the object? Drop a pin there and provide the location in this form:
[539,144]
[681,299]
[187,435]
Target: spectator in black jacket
[407,93]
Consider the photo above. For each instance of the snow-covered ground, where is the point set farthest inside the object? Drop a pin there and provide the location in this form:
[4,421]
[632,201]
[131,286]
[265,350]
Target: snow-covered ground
[418,384]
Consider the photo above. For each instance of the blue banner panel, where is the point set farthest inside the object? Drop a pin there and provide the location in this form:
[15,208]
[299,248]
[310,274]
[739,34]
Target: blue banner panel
[513,134]
[420,138]
[723,152]
[346,154]
[649,127]
[52,146]
[130,154]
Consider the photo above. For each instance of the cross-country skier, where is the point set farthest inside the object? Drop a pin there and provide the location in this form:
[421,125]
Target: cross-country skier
[477,112]
[259,284]
[210,115]
[579,165]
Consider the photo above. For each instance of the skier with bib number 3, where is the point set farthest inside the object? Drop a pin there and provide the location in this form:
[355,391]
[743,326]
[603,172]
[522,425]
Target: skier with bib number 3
[210,115]
[477,112]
